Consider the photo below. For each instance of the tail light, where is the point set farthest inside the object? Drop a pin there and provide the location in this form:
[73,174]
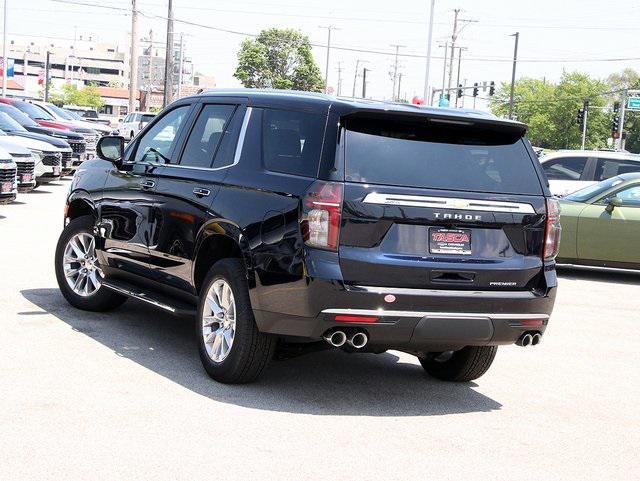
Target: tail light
[322,214]
[552,230]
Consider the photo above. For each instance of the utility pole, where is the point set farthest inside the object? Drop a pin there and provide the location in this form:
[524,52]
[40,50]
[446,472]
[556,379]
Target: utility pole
[181,64]
[454,37]
[150,85]
[168,61]
[326,69]
[364,82]
[399,84]
[395,69]
[355,78]
[5,62]
[46,76]
[623,107]
[584,123]
[513,73]
[429,41]
[460,49]
[339,69]
[133,61]
[444,68]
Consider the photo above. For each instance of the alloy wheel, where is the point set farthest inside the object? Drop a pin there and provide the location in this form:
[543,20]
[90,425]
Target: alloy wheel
[219,320]
[80,265]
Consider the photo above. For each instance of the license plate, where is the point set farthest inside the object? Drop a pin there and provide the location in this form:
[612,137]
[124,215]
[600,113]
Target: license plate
[89,156]
[56,170]
[6,187]
[26,177]
[450,241]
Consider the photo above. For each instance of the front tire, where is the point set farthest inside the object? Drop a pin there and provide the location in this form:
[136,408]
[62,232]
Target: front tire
[232,349]
[465,365]
[78,271]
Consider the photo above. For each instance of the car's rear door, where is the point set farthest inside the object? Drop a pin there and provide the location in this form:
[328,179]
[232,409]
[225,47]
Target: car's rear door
[187,188]
[605,237]
[437,204]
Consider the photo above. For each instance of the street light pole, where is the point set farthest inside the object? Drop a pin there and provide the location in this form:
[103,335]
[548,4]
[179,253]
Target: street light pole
[326,70]
[133,61]
[46,76]
[513,73]
[429,42]
[5,63]
[168,60]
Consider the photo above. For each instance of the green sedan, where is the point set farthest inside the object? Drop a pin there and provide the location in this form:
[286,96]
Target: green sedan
[601,224]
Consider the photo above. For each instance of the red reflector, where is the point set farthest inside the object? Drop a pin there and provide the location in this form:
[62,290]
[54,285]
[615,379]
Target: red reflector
[343,318]
[532,322]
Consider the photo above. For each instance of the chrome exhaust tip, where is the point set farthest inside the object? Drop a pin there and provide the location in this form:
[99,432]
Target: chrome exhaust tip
[536,339]
[358,340]
[525,340]
[336,338]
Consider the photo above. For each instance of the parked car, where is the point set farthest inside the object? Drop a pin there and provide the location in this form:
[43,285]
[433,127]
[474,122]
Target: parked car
[46,120]
[8,177]
[571,170]
[302,221]
[87,113]
[11,127]
[134,123]
[68,116]
[75,141]
[601,224]
[45,160]
[25,160]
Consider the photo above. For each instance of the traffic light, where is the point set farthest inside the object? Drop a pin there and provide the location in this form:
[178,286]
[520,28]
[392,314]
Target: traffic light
[460,91]
[580,117]
[492,88]
[615,126]
[475,89]
[616,107]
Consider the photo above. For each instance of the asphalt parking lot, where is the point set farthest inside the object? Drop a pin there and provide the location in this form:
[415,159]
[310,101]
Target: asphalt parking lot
[122,395]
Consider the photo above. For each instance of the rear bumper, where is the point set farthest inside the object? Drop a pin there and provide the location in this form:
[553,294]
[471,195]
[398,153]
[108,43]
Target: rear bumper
[406,318]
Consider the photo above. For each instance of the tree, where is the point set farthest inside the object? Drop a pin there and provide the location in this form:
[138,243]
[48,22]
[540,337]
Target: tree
[551,109]
[69,94]
[280,59]
[628,79]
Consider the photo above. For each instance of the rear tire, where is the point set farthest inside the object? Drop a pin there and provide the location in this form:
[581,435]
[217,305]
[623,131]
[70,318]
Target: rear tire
[465,365]
[242,351]
[88,293]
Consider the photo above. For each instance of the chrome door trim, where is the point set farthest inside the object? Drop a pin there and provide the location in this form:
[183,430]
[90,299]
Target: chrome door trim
[430,314]
[452,203]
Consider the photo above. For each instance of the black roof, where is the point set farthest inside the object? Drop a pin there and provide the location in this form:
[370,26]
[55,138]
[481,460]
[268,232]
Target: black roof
[348,106]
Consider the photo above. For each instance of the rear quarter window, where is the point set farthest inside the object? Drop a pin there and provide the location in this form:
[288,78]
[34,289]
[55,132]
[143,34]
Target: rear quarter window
[438,156]
[292,141]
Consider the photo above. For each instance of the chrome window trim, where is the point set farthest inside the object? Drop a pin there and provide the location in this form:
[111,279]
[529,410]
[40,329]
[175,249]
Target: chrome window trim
[430,314]
[236,157]
[408,291]
[451,203]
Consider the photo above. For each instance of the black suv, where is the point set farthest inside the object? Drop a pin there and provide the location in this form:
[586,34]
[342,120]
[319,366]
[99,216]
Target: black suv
[288,222]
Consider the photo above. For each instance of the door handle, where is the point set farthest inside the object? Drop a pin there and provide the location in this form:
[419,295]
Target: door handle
[147,184]
[201,192]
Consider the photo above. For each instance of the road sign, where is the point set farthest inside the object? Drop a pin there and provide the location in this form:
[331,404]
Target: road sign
[633,103]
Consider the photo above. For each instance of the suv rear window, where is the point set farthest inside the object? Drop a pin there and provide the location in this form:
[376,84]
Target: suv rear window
[438,156]
[292,141]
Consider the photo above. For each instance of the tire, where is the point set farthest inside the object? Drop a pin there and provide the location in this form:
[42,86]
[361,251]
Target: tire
[248,350]
[100,298]
[465,365]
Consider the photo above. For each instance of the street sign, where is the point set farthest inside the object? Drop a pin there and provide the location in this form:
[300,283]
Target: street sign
[633,103]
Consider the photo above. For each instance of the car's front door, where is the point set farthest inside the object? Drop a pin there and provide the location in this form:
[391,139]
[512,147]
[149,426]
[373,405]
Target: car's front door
[611,237]
[186,188]
[126,210]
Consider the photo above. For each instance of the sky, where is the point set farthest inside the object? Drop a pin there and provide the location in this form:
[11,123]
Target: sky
[554,35]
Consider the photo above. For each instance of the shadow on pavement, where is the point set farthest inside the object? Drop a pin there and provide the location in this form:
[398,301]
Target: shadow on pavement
[599,276]
[324,383]
[38,191]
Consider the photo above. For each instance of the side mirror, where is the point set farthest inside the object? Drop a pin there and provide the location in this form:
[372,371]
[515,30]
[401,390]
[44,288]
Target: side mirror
[612,203]
[111,148]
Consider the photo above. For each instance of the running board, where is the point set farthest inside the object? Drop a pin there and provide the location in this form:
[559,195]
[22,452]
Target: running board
[164,302]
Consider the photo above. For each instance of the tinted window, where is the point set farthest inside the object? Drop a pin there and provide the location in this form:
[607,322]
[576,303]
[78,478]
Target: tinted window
[630,196]
[292,141]
[567,168]
[33,111]
[206,135]
[147,118]
[156,144]
[595,190]
[18,116]
[607,168]
[438,156]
